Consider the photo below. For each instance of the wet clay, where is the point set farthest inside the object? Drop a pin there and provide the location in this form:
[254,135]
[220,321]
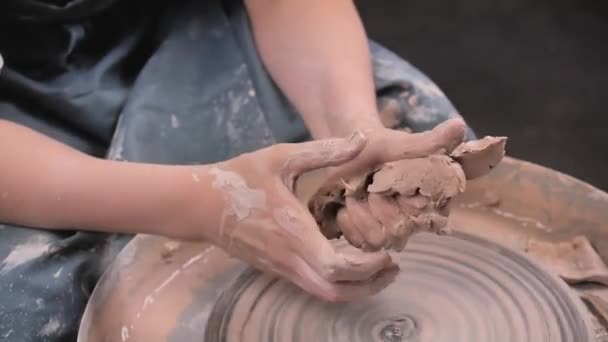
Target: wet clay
[422,187]
[574,260]
[479,157]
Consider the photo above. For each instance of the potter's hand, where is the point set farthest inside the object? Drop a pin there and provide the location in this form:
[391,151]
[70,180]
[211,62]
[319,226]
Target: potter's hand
[379,221]
[385,145]
[264,224]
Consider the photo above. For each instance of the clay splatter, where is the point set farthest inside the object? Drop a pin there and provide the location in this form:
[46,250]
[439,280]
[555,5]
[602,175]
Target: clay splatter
[192,260]
[124,333]
[118,153]
[51,327]
[167,281]
[174,121]
[195,177]
[24,253]
[147,301]
[522,219]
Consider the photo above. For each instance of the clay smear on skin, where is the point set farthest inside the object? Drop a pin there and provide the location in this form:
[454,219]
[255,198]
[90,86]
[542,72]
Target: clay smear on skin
[239,197]
[287,219]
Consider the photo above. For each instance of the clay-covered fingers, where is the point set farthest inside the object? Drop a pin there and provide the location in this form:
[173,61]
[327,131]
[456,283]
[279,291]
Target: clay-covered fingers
[385,222]
[308,156]
[356,265]
[316,284]
[362,219]
[349,230]
[315,265]
[387,211]
[442,139]
[349,291]
[346,264]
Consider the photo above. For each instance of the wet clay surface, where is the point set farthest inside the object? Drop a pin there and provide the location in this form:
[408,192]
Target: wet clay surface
[574,260]
[422,187]
[451,288]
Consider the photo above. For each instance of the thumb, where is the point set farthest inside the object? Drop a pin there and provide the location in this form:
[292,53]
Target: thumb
[442,139]
[338,261]
[308,156]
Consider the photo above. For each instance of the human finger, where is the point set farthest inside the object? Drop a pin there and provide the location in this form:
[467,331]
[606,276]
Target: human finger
[363,220]
[386,210]
[308,156]
[348,229]
[442,139]
[316,284]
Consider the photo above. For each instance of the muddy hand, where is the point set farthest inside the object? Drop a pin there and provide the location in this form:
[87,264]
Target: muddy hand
[265,225]
[385,222]
[386,145]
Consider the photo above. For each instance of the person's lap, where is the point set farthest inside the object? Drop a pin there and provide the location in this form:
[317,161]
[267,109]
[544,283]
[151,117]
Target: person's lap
[201,97]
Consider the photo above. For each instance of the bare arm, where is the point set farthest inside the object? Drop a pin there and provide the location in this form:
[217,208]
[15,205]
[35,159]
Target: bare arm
[46,184]
[317,52]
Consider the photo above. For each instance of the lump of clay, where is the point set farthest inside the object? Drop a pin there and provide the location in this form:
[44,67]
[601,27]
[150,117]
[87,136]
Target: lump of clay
[575,260]
[479,157]
[422,187]
[436,177]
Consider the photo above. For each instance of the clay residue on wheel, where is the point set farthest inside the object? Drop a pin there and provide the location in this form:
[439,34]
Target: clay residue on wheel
[574,260]
[479,157]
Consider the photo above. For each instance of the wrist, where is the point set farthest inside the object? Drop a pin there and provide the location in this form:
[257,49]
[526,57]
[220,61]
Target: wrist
[199,217]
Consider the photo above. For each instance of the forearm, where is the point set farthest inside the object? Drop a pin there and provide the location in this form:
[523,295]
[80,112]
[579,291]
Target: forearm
[317,52]
[49,185]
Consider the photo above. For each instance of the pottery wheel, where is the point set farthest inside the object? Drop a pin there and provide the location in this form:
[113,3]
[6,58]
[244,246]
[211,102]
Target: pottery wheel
[450,288]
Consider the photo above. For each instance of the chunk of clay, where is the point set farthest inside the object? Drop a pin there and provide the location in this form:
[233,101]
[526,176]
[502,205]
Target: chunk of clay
[436,177]
[479,157]
[575,260]
[422,186]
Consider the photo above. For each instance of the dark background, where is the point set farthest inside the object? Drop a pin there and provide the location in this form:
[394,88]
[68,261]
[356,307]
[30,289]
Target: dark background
[536,71]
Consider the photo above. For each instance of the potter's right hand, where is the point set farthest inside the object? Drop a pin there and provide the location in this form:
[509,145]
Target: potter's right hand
[263,223]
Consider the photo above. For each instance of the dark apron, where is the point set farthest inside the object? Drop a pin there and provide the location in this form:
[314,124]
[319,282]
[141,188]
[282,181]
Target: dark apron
[176,82]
